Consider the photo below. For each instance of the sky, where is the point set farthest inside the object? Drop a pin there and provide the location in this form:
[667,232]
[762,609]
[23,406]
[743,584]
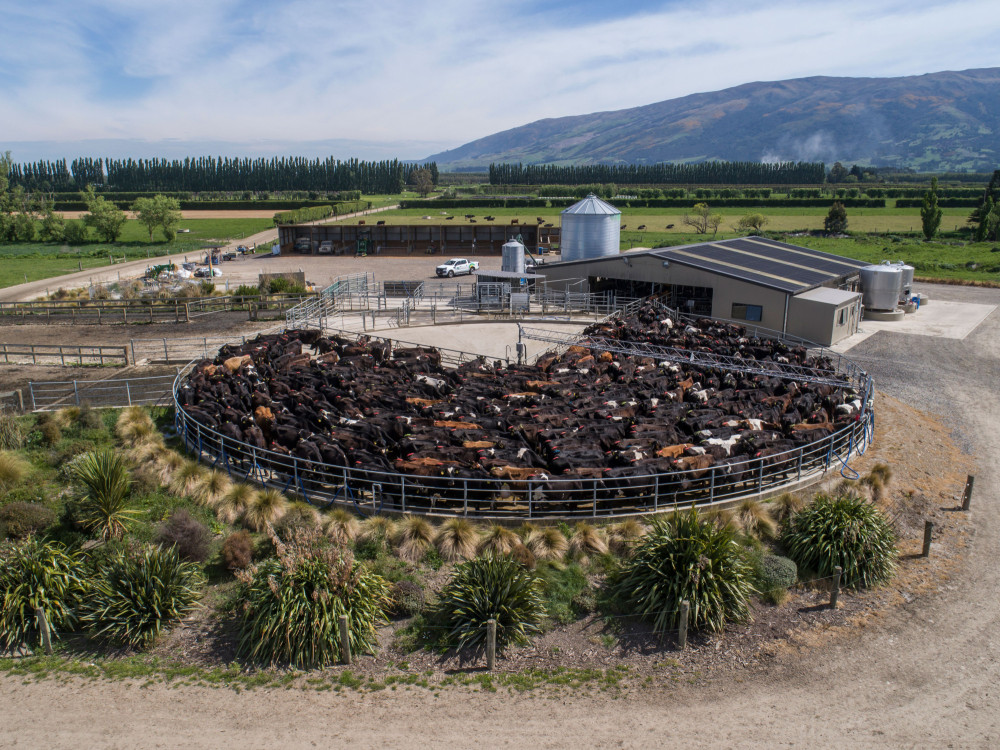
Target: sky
[408,78]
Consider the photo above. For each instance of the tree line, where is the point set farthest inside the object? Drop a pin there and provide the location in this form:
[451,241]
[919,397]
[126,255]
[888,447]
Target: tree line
[217,173]
[708,172]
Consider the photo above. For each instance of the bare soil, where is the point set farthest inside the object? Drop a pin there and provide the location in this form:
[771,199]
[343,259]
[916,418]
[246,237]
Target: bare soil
[914,664]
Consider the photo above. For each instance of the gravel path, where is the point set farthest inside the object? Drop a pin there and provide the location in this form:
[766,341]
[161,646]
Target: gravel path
[926,676]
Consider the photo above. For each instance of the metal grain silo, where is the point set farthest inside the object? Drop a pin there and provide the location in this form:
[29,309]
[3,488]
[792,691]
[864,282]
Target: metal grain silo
[591,228]
[513,257]
[880,287]
[906,283]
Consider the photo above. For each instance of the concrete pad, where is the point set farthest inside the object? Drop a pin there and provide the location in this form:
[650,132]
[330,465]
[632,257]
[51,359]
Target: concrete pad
[942,319]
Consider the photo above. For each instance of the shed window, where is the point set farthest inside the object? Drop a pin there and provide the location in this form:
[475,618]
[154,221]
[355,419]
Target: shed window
[842,316]
[746,312]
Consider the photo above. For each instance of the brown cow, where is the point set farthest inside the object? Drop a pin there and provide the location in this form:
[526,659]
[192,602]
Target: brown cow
[235,363]
[452,425]
[674,451]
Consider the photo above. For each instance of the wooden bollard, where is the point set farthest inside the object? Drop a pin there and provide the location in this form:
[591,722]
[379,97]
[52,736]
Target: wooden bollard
[491,644]
[345,640]
[967,497]
[682,625]
[928,530]
[835,591]
[43,630]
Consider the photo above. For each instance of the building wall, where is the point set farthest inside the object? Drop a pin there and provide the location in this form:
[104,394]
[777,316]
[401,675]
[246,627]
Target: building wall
[819,322]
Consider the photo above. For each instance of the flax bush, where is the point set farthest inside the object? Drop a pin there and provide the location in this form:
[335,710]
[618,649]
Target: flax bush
[292,603]
[686,557]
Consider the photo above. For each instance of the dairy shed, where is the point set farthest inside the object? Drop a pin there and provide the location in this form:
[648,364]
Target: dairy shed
[749,280]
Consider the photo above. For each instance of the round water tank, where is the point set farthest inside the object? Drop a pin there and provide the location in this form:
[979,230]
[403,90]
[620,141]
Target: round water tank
[591,228]
[906,283]
[880,286]
[512,257]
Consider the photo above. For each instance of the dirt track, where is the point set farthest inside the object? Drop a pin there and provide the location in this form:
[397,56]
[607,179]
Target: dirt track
[927,676]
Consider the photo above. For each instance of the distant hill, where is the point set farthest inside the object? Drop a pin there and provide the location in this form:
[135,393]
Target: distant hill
[946,121]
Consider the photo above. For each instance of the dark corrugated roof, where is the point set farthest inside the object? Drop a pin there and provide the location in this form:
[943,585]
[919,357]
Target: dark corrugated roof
[769,263]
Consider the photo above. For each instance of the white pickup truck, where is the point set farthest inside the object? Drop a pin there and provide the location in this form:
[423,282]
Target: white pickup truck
[457,266]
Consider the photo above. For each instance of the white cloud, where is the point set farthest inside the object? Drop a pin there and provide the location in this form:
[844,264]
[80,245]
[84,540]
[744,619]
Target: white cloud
[444,72]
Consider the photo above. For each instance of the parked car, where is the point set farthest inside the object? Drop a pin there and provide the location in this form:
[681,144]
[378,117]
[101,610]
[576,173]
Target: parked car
[325,248]
[456,267]
[302,245]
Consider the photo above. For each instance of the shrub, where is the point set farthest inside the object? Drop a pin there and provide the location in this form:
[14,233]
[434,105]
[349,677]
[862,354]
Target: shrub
[777,572]
[373,538]
[37,574]
[523,557]
[268,506]
[237,550]
[298,516]
[485,588]
[89,418]
[342,526]
[685,557]
[13,469]
[293,602]
[785,506]
[498,540]
[11,434]
[407,599]
[754,519]
[623,536]
[845,531]
[456,539]
[103,510]
[18,520]
[561,585]
[51,433]
[188,535]
[235,502]
[139,593]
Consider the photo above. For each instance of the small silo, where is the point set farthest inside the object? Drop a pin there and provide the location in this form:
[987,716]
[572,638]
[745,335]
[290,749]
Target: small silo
[591,228]
[880,287]
[906,282]
[512,257]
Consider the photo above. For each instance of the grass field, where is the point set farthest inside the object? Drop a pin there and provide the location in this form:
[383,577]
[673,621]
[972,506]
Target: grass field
[21,262]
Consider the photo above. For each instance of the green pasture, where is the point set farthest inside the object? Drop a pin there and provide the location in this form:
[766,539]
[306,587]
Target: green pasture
[32,261]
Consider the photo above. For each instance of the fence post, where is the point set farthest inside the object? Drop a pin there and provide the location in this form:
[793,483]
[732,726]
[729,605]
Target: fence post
[345,640]
[43,630]
[928,531]
[491,644]
[835,591]
[166,355]
[970,480]
[76,391]
[682,625]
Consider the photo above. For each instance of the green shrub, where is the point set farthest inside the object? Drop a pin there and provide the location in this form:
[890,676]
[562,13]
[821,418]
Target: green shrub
[89,418]
[37,574]
[561,586]
[407,598]
[237,550]
[188,535]
[685,557]
[51,433]
[139,593]
[777,572]
[18,520]
[485,588]
[105,476]
[293,603]
[845,531]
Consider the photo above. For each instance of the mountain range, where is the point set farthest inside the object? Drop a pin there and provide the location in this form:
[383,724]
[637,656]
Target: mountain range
[947,121]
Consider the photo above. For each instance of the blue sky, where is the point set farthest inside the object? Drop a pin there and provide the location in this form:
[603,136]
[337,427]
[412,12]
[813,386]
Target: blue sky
[377,77]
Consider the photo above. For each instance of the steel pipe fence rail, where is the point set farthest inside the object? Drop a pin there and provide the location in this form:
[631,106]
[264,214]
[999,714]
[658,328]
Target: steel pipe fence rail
[537,497]
[46,396]
[50,353]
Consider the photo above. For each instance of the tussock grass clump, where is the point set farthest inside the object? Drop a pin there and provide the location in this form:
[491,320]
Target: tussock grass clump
[847,531]
[498,540]
[342,526]
[294,601]
[19,520]
[686,557]
[12,436]
[38,574]
[187,479]
[13,470]
[168,462]
[623,536]
[212,486]
[456,539]
[754,519]
[485,588]
[235,502]
[298,515]
[268,506]
[108,485]
[786,505]
[547,543]
[134,424]
[587,540]
[412,537]
[140,593]
[374,535]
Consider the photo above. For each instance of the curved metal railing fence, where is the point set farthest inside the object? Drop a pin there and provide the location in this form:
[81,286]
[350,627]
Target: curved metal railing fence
[541,496]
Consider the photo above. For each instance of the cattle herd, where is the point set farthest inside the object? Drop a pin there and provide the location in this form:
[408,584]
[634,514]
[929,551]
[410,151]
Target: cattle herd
[576,428]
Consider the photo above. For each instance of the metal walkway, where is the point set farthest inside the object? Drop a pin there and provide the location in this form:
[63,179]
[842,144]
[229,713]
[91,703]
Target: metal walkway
[766,368]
